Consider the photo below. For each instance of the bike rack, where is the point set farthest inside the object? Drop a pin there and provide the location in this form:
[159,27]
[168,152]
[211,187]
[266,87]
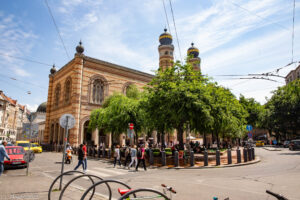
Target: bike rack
[58,177]
[82,176]
[105,182]
[133,192]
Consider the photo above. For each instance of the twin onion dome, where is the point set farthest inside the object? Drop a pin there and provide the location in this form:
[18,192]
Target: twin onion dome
[193,51]
[165,38]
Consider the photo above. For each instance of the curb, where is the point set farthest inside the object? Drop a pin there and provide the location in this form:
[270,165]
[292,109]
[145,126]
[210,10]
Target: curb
[257,160]
[268,149]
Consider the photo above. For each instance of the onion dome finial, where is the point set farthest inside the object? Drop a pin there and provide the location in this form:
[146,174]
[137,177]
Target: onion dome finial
[193,51]
[53,69]
[165,38]
[80,48]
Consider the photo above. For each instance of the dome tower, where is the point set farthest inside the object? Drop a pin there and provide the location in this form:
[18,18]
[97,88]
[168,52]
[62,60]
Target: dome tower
[165,50]
[193,57]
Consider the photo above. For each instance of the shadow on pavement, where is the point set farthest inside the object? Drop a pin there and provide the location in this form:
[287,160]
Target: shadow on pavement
[296,154]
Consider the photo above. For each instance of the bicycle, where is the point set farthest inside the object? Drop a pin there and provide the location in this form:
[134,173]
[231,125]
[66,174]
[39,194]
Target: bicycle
[126,193]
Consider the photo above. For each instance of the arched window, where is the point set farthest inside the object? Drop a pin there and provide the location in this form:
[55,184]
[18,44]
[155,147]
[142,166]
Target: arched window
[57,96]
[67,90]
[98,92]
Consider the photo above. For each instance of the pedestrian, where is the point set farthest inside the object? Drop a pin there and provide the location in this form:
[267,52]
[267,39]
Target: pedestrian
[2,155]
[133,156]
[117,156]
[84,157]
[127,156]
[80,158]
[141,157]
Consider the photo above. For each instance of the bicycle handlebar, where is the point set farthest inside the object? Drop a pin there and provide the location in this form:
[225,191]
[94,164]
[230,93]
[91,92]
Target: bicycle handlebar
[278,196]
[169,188]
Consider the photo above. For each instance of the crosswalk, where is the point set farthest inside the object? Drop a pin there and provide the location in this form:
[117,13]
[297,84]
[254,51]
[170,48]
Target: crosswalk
[106,172]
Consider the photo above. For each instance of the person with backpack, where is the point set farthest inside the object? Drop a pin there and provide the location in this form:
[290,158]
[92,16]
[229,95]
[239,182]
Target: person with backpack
[80,158]
[127,156]
[117,156]
[133,156]
[141,157]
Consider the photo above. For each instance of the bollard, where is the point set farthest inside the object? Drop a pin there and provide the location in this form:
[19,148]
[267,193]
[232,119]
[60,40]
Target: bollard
[176,159]
[249,154]
[218,160]
[163,158]
[253,153]
[205,158]
[98,152]
[238,155]
[103,152]
[192,158]
[109,153]
[245,154]
[151,158]
[229,158]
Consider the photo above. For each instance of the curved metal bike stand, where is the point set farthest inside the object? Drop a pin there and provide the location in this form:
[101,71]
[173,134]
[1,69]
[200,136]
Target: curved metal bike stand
[101,182]
[133,192]
[65,173]
[82,176]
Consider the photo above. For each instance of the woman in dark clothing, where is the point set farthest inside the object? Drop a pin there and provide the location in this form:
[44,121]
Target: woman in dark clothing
[80,157]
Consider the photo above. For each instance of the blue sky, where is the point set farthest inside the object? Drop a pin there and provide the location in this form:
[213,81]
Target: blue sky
[234,37]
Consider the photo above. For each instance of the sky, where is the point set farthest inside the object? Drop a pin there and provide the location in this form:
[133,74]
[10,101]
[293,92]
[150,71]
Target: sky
[234,37]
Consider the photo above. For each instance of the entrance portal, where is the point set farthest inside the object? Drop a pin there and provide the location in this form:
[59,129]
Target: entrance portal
[87,133]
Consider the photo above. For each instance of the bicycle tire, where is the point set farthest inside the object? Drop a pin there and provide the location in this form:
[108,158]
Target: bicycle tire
[133,192]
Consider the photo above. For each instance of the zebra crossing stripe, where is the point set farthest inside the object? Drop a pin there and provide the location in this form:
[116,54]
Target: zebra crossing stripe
[113,171]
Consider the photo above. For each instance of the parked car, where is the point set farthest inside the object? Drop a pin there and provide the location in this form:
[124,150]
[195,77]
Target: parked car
[36,148]
[259,143]
[286,144]
[294,144]
[16,154]
[24,144]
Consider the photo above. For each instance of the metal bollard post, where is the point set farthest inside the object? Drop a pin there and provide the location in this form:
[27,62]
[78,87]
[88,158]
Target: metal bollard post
[151,158]
[253,153]
[205,158]
[98,152]
[103,152]
[176,159]
[245,154]
[192,158]
[238,155]
[249,154]
[109,153]
[163,158]
[229,158]
[218,159]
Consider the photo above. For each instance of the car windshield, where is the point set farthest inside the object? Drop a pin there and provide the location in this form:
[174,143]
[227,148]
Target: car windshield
[33,145]
[23,144]
[15,151]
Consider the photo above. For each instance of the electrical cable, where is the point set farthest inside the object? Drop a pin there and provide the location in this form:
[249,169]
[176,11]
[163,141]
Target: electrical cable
[175,30]
[262,18]
[57,29]
[25,59]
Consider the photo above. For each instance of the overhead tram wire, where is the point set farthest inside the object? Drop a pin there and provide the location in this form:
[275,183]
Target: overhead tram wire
[49,9]
[25,59]
[175,30]
[262,18]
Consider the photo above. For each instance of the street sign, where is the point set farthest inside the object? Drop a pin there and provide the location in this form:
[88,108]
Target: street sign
[29,156]
[67,120]
[249,128]
[31,117]
[131,126]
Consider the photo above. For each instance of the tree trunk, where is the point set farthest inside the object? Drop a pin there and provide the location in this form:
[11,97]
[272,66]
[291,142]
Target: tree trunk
[180,137]
[162,140]
[158,137]
[218,141]
[204,140]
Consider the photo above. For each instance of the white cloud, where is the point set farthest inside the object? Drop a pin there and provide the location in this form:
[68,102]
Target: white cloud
[32,107]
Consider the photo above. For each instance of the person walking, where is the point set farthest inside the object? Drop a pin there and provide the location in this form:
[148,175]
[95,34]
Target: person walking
[127,156]
[141,158]
[2,155]
[133,156]
[84,157]
[117,156]
[80,158]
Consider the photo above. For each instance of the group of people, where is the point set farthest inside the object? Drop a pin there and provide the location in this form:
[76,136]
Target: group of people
[136,155]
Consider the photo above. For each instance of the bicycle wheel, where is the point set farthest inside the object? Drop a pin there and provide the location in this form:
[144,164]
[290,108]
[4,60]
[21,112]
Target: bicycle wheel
[146,193]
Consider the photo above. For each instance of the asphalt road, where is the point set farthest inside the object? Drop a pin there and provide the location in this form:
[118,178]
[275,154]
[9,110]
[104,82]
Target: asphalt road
[278,171]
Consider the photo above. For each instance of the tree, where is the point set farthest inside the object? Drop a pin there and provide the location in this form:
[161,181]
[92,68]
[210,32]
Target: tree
[254,110]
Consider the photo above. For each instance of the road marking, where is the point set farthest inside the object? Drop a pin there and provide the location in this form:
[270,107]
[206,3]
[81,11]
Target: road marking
[98,173]
[110,171]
